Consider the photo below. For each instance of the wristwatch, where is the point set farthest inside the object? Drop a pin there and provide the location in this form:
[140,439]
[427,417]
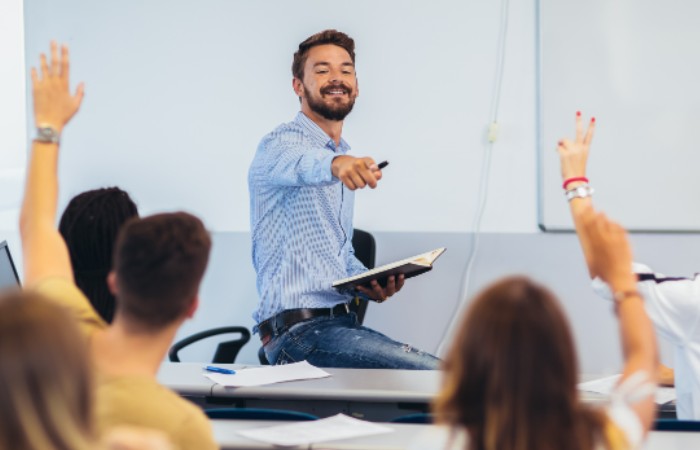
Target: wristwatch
[48,135]
[582,191]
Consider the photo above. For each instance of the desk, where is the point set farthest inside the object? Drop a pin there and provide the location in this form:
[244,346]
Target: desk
[371,394]
[405,436]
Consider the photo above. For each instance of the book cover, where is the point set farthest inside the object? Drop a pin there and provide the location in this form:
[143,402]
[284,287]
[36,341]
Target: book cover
[409,267]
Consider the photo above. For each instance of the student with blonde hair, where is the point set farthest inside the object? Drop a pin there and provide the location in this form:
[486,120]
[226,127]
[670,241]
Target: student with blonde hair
[45,382]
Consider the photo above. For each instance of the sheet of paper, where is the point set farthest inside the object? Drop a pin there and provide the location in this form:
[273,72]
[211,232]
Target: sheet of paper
[303,433]
[259,376]
[606,385]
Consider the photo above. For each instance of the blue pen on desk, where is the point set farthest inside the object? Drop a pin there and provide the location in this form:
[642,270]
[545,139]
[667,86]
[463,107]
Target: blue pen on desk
[219,370]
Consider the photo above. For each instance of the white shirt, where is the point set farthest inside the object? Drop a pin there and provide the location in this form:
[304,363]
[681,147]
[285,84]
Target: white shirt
[673,305]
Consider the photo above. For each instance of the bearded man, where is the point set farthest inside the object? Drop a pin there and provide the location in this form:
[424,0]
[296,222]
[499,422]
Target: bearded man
[301,186]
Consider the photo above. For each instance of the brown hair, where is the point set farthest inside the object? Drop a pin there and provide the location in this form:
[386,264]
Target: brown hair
[159,263]
[325,37]
[45,379]
[511,374]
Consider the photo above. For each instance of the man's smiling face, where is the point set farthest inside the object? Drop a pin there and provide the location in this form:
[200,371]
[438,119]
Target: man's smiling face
[329,85]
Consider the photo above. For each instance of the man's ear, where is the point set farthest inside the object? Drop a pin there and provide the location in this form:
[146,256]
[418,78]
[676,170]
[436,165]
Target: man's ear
[193,308]
[298,87]
[112,282]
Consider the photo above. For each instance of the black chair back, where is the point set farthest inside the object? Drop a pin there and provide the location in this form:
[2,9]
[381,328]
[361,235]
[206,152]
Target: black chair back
[258,414]
[676,425]
[226,351]
[365,250]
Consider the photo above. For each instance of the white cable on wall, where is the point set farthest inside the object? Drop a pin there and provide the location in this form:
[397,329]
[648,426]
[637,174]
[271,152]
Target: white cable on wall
[484,181]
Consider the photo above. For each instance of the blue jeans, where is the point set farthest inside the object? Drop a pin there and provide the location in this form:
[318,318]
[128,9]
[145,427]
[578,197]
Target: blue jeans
[341,342]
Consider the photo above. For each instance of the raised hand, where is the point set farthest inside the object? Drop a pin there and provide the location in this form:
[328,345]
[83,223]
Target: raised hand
[574,154]
[610,250]
[54,105]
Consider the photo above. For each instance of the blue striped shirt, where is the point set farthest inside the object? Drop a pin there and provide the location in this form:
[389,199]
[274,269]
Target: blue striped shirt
[300,220]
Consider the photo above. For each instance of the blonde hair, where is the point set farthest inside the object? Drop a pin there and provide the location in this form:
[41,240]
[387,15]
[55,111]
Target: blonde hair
[45,378]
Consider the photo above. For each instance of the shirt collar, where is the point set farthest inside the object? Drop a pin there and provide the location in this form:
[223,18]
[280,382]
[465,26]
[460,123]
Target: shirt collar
[318,135]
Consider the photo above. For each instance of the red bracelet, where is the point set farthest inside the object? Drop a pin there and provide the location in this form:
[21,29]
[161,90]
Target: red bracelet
[571,180]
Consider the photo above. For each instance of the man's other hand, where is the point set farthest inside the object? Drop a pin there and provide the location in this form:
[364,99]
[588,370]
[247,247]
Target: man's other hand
[379,294]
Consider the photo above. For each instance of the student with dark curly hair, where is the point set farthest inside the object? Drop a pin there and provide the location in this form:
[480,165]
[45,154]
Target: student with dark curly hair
[89,225]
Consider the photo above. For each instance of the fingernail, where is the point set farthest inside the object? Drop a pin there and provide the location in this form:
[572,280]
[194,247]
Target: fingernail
[592,119]
[560,143]
[578,113]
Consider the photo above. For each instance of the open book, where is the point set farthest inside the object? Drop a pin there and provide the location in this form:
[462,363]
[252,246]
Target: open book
[409,267]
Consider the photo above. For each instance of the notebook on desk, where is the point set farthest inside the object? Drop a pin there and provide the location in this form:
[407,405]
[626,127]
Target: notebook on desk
[8,271]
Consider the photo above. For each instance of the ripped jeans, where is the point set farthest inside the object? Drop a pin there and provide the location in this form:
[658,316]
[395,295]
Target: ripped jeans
[341,342]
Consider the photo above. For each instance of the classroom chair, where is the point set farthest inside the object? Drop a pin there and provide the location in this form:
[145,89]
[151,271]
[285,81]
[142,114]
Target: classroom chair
[365,250]
[226,351]
[676,425]
[420,418]
[258,414]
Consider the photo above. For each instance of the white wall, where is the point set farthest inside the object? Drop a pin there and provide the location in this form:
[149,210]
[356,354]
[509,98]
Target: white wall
[428,195]
[176,103]
[12,111]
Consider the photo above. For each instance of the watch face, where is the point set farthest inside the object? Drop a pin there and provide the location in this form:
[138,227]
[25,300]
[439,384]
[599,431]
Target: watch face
[579,192]
[47,134]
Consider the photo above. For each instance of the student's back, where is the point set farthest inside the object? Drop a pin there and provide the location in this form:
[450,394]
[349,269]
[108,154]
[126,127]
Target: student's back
[511,373]
[158,265]
[45,382]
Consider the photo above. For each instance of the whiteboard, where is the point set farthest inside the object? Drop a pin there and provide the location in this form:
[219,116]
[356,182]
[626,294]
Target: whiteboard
[635,66]
[180,92]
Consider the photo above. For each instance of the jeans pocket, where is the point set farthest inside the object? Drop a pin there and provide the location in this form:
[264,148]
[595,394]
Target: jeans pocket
[284,358]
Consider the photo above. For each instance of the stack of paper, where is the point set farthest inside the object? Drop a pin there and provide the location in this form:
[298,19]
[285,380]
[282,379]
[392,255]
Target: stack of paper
[268,374]
[304,433]
[605,386]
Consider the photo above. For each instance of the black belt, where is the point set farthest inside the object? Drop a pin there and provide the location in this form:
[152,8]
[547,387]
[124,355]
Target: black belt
[284,320]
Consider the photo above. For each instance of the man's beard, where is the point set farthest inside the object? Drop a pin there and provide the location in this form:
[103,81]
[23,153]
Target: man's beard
[334,111]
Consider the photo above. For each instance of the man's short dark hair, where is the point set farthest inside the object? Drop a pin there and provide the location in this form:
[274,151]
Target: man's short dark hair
[333,37]
[159,263]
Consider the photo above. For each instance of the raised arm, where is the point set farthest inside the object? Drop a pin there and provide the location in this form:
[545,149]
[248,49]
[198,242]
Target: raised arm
[573,155]
[44,251]
[611,259]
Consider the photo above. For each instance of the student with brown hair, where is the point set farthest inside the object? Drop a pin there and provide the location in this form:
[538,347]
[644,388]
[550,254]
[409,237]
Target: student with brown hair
[158,265]
[511,373]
